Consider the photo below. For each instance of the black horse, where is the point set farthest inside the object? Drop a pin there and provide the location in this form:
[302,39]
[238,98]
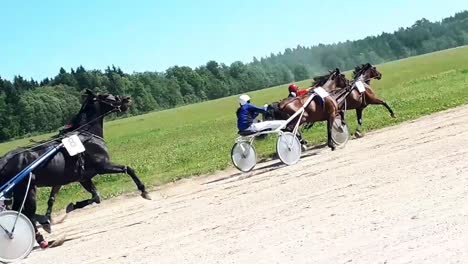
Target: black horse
[82,121]
[63,169]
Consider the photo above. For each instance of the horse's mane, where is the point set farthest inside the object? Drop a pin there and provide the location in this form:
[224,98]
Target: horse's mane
[74,123]
[321,80]
[358,70]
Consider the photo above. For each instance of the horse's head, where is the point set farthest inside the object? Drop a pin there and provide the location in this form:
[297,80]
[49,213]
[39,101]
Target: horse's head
[339,79]
[374,73]
[367,72]
[93,110]
[105,103]
[334,79]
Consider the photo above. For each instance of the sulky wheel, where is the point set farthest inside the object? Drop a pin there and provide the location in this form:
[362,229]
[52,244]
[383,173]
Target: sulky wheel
[244,156]
[339,133]
[288,148]
[18,244]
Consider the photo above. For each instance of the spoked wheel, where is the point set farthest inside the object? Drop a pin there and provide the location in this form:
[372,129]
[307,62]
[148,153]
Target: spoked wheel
[339,133]
[288,148]
[20,245]
[244,156]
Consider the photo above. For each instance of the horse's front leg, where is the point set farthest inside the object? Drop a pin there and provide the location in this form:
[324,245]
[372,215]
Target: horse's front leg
[342,116]
[110,168]
[392,114]
[359,133]
[382,102]
[372,99]
[330,122]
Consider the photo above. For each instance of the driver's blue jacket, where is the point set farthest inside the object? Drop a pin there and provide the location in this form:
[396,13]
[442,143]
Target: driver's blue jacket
[246,114]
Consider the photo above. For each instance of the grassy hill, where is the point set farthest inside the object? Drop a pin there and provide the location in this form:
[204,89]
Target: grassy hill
[197,139]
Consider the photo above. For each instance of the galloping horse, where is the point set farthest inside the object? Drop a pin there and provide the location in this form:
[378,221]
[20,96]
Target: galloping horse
[356,100]
[319,109]
[62,168]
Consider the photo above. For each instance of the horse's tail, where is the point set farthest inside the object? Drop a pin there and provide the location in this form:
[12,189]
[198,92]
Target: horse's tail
[273,112]
[276,111]
[270,112]
[3,163]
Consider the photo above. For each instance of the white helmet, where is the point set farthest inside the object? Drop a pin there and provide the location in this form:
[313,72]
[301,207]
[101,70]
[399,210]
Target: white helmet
[243,99]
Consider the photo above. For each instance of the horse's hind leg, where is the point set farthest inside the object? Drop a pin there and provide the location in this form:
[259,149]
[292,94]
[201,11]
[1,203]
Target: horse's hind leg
[302,140]
[29,209]
[46,220]
[309,125]
[9,201]
[95,198]
[110,168]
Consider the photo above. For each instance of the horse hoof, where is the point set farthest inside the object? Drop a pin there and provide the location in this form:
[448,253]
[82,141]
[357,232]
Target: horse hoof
[358,134]
[47,228]
[44,244]
[393,115]
[70,208]
[146,195]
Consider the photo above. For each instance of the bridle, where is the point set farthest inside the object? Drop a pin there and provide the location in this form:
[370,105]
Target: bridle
[361,76]
[115,108]
[115,105]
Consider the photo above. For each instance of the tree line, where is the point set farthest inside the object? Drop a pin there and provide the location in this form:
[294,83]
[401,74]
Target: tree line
[31,107]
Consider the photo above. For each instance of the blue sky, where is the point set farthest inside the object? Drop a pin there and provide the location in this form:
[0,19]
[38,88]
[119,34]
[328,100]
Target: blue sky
[38,37]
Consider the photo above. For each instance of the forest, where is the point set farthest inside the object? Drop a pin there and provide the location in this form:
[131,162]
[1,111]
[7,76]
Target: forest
[30,107]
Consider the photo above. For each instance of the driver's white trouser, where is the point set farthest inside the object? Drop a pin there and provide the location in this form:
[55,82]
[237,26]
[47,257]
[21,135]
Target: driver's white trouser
[255,127]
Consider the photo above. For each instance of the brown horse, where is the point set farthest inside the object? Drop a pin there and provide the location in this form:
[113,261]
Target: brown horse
[317,110]
[356,100]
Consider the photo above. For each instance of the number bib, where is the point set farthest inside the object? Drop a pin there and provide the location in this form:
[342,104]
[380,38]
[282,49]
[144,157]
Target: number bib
[360,86]
[321,92]
[73,145]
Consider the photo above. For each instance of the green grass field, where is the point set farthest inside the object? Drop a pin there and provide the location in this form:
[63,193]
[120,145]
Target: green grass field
[197,139]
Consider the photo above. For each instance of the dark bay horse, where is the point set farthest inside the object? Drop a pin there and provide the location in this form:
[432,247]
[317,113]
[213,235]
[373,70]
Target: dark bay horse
[63,169]
[356,100]
[317,110]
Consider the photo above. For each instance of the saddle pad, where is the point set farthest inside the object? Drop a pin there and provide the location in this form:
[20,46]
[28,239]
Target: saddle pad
[360,86]
[321,92]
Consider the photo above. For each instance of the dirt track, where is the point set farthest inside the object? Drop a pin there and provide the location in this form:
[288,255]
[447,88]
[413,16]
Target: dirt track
[399,195]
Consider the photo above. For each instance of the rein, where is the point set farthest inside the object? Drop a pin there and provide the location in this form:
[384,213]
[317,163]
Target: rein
[116,109]
[61,137]
[344,93]
[87,123]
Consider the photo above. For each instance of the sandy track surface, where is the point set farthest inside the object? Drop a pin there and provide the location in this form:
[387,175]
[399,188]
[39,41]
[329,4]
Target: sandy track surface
[399,195]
